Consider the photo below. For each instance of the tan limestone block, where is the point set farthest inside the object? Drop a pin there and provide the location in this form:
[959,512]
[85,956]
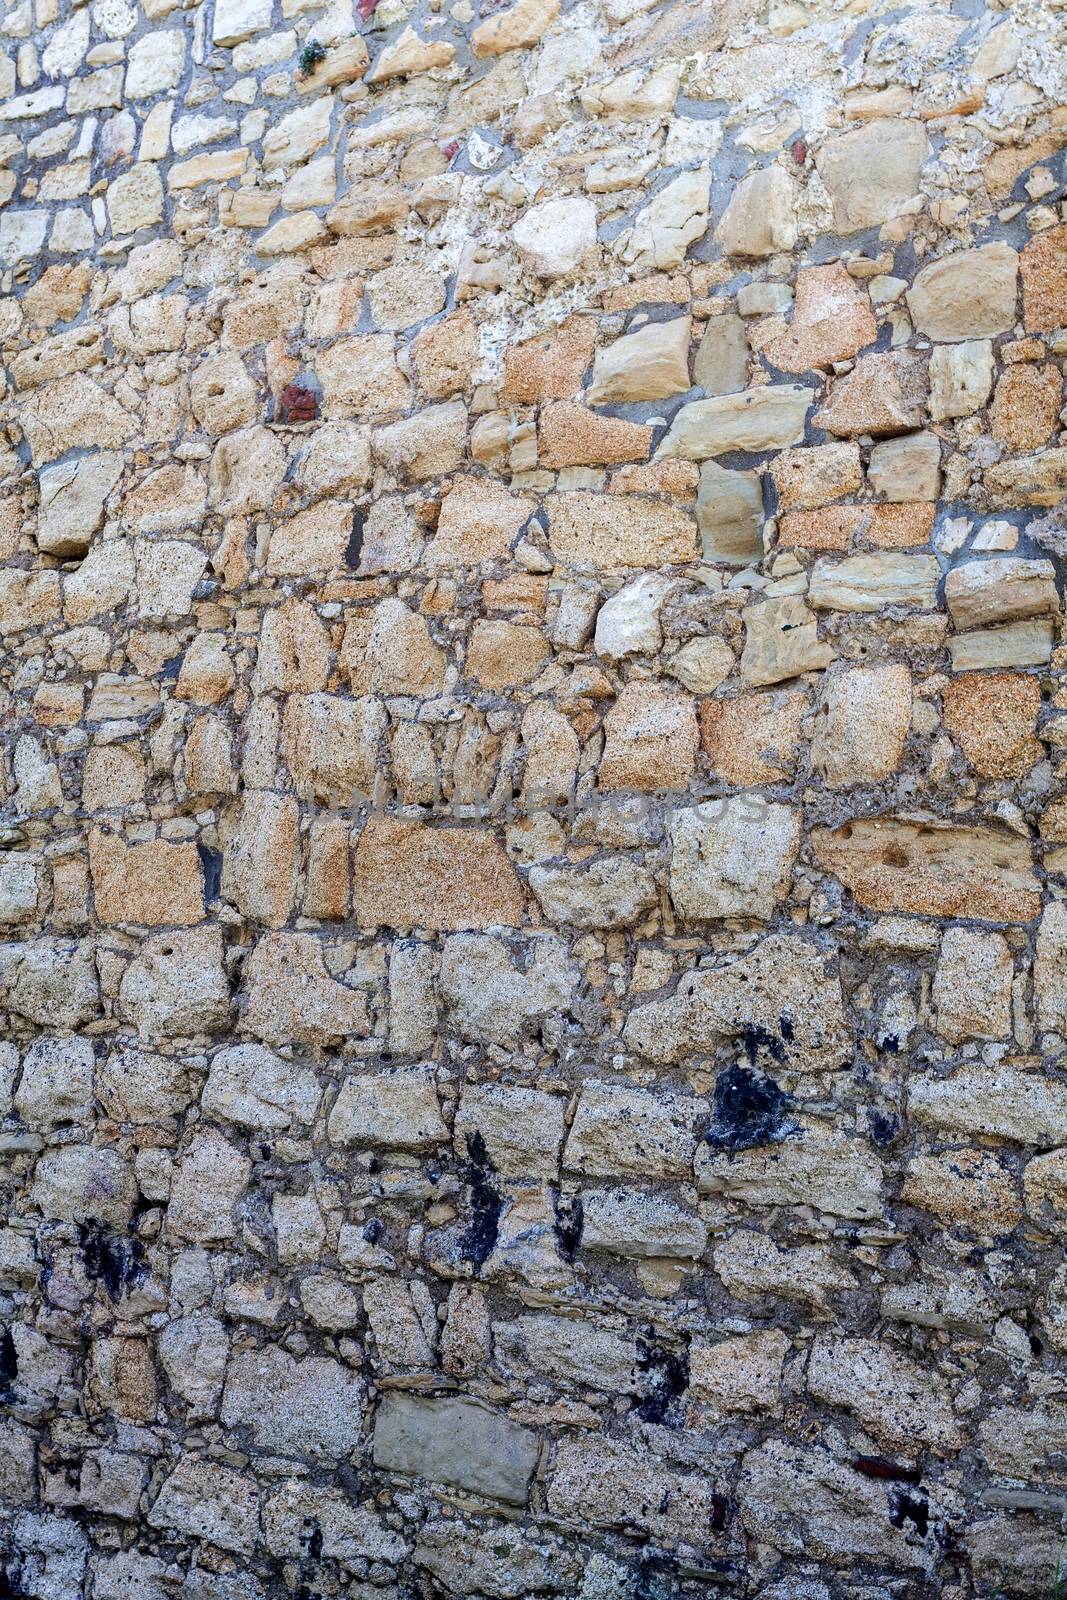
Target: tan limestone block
[999,590]
[970,295]
[650,737]
[932,868]
[153,885]
[993,717]
[618,531]
[409,55]
[1044,271]
[872,171]
[408,875]
[753,739]
[516,29]
[650,364]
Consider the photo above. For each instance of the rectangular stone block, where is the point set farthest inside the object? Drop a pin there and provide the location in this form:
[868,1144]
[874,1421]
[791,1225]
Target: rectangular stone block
[449,1440]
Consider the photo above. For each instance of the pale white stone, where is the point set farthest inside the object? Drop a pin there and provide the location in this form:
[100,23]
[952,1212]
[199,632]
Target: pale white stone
[628,623]
[237,20]
[556,236]
[671,221]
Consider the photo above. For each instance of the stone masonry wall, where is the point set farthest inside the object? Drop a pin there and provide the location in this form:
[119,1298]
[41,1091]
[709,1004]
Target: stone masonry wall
[533,994]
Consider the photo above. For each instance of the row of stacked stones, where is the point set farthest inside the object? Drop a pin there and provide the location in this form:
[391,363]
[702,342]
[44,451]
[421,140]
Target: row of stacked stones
[534,871]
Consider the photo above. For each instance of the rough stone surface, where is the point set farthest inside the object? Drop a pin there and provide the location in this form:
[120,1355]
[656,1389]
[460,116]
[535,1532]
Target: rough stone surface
[533,799]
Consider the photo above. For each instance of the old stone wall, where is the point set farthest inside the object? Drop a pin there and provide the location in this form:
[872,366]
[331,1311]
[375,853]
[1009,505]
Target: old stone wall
[534,872]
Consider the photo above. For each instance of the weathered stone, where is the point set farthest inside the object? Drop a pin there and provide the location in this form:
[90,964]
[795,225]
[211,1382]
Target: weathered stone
[720,365]
[999,590]
[640,1226]
[756,420]
[650,740]
[619,1131]
[732,858]
[782,641]
[802,1501]
[753,738]
[961,377]
[252,1087]
[491,998]
[760,220]
[747,997]
[993,716]
[867,583]
[77,1183]
[873,171]
[611,893]
[894,1397]
[408,875]
[1043,264]
[883,394]
[619,531]
[812,1166]
[832,321]
[556,237]
[972,986]
[651,364]
[398,1108]
[863,725]
[211,1178]
[1026,407]
[312,1407]
[1006,1102]
[208,1501]
[730,514]
[611,1484]
[966,296]
[456,1441]
[290,995]
[663,230]
[932,868]
[906,469]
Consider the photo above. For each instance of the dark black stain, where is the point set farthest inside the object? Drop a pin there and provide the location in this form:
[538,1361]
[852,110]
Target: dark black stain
[889,1042]
[9,1362]
[787,1028]
[750,1109]
[313,1538]
[112,1259]
[666,1377]
[884,1127]
[913,1508]
[568,1221]
[10,1585]
[171,668]
[373,1230]
[754,1037]
[720,1513]
[479,1237]
[882,1467]
[211,861]
[355,539]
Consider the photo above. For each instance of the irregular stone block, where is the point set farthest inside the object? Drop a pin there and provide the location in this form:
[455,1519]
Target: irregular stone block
[451,1440]
[411,876]
[932,868]
[732,858]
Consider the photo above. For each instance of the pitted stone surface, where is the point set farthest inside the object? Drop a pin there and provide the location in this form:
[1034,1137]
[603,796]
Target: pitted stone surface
[533,799]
